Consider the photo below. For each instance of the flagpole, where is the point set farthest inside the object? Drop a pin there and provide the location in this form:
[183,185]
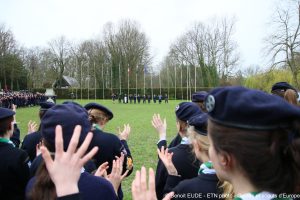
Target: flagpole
[111,77]
[181,82]
[195,79]
[159,83]
[120,78]
[144,79]
[175,82]
[168,78]
[187,82]
[128,83]
[136,79]
[95,80]
[151,82]
[102,82]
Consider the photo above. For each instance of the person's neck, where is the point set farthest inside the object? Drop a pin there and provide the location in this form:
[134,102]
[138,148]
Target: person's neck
[203,157]
[241,184]
[6,135]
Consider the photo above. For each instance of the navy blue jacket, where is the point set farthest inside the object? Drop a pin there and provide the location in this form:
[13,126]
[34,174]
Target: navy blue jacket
[185,163]
[29,144]
[14,172]
[90,187]
[204,186]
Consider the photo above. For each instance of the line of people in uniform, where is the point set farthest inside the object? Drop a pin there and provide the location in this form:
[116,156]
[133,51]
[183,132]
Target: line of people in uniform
[245,144]
[136,98]
[20,98]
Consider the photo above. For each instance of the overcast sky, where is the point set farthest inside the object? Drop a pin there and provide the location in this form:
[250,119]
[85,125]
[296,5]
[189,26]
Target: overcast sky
[36,22]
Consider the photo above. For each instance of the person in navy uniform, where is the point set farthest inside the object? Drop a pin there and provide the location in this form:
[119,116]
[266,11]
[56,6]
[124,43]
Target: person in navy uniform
[144,98]
[198,98]
[160,98]
[149,98]
[207,181]
[139,98]
[57,119]
[166,98]
[154,98]
[279,88]
[249,132]
[134,98]
[14,165]
[183,158]
[109,143]
[120,98]
[31,140]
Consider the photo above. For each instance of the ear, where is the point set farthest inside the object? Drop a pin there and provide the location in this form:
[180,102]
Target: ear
[226,160]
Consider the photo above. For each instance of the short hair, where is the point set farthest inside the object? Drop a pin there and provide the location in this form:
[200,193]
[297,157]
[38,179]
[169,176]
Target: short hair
[5,125]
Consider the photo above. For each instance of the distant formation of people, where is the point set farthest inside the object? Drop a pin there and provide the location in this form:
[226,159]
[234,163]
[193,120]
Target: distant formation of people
[137,98]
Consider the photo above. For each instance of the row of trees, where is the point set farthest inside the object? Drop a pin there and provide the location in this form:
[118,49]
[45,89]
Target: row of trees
[205,56]
[121,59]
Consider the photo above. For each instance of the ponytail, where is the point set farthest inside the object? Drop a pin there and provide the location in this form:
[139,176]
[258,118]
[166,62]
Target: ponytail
[43,188]
[293,152]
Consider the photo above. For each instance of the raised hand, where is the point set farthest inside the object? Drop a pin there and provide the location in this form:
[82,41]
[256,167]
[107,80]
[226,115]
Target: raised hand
[125,133]
[139,185]
[160,126]
[166,158]
[31,127]
[65,169]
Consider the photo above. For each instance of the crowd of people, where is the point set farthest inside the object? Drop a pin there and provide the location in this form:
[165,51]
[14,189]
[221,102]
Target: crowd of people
[137,98]
[20,98]
[231,143]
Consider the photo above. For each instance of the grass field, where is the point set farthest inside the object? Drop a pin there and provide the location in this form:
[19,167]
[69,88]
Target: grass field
[143,138]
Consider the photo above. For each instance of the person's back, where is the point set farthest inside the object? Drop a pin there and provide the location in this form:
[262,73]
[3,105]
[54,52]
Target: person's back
[14,169]
[14,172]
[89,187]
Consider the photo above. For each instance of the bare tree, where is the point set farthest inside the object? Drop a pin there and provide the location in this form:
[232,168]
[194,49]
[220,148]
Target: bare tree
[60,49]
[283,43]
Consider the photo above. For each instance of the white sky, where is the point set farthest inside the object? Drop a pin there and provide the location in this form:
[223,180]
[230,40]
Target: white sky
[36,22]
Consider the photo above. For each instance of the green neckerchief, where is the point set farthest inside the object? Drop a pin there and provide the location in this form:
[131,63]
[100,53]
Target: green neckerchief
[5,140]
[260,196]
[206,168]
[96,126]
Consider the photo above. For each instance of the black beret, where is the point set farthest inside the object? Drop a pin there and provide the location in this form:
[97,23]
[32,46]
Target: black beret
[68,115]
[282,86]
[199,122]
[99,107]
[46,105]
[245,108]
[199,96]
[4,113]
[185,110]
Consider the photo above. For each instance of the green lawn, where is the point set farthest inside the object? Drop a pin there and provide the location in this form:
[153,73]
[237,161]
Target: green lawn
[143,138]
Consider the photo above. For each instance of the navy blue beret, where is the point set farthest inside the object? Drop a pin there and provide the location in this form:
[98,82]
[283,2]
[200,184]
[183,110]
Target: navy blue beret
[244,108]
[185,110]
[282,86]
[67,115]
[199,96]
[46,105]
[4,113]
[200,123]
[99,107]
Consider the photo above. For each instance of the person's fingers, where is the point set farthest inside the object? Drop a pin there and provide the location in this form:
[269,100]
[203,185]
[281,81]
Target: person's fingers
[84,146]
[151,181]
[47,157]
[143,179]
[169,196]
[125,174]
[137,182]
[59,145]
[74,140]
